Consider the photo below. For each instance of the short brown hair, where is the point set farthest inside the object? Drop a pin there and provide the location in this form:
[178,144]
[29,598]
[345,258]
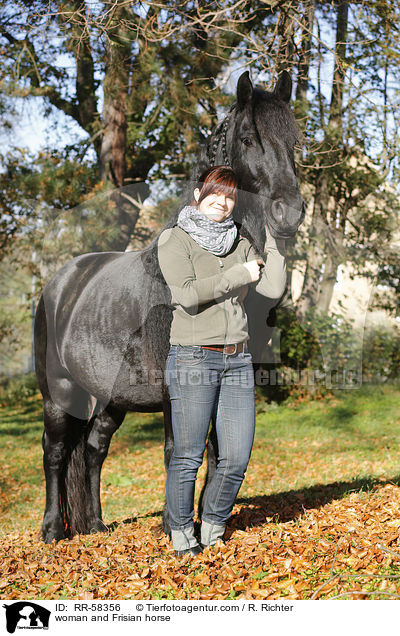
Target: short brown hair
[217,179]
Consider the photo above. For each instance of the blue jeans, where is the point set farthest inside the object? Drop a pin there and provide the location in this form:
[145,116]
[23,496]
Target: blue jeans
[201,383]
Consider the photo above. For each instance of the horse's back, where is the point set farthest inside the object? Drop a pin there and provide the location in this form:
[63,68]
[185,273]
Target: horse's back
[72,278]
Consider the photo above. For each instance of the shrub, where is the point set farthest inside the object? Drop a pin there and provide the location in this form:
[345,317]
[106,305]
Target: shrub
[17,388]
[381,354]
[325,351]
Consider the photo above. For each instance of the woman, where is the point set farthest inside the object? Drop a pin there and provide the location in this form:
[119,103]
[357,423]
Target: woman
[208,267]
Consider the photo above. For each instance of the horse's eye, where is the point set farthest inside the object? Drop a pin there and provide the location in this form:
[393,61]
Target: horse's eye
[247,141]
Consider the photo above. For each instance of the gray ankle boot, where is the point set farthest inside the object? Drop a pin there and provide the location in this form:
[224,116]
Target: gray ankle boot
[184,541]
[210,533]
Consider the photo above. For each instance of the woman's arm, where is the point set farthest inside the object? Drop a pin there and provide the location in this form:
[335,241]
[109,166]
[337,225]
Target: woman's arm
[273,277]
[178,272]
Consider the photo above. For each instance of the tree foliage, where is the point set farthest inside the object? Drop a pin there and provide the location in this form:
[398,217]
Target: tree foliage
[139,85]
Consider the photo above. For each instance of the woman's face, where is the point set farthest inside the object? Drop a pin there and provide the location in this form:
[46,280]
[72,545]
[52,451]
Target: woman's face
[216,206]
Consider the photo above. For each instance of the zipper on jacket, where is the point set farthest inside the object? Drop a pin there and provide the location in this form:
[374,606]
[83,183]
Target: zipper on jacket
[221,265]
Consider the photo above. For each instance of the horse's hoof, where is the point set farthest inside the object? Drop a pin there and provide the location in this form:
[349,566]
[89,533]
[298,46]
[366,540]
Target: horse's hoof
[52,534]
[98,526]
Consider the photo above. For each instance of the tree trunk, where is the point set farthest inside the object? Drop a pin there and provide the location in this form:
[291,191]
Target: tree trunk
[85,85]
[112,153]
[335,128]
[305,54]
[112,159]
[316,250]
[335,114]
[319,267]
[116,83]
[328,283]
[285,53]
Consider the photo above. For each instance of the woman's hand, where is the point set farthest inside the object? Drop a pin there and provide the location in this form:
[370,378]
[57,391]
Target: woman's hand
[254,267]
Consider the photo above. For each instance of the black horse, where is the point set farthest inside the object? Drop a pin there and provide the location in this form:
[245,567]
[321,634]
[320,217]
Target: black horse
[103,321]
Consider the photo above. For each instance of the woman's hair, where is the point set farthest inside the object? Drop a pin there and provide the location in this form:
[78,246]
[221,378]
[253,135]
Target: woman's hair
[217,179]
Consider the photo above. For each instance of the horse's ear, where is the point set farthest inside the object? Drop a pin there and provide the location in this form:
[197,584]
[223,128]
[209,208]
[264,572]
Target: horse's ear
[244,89]
[283,88]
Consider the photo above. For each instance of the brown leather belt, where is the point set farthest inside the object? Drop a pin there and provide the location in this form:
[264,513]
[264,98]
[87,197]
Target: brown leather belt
[229,349]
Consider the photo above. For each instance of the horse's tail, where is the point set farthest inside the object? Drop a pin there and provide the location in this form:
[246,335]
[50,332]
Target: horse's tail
[74,495]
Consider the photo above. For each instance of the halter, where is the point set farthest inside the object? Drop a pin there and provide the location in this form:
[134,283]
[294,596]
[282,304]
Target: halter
[220,131]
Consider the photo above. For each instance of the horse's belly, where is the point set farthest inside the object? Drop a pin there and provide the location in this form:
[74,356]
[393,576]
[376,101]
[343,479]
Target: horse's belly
[142,398]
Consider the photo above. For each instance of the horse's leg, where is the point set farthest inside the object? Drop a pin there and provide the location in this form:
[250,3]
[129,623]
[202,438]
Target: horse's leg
[104,426]
[168,450]
[55,451]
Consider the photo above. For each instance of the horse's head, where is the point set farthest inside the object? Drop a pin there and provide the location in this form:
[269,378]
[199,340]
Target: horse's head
[257,139]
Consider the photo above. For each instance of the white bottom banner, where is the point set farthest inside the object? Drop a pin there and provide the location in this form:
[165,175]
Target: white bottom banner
[194,617]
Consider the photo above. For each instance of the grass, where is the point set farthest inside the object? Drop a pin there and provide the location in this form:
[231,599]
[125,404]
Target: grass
[323,449]
[316,516]
[350,436]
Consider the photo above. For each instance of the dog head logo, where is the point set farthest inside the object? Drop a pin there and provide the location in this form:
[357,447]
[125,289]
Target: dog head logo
[26,615]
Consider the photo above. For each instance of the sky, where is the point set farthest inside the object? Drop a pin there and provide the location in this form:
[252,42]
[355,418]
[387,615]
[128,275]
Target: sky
[33,130]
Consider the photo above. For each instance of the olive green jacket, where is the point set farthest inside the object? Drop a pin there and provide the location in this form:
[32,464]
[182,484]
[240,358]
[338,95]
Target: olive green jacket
[208,290]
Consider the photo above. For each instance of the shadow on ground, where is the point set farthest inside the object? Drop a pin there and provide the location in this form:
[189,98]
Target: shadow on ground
[282,506]
[287,506]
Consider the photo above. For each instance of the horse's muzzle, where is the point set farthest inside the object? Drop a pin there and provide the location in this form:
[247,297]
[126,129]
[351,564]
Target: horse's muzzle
[284,220]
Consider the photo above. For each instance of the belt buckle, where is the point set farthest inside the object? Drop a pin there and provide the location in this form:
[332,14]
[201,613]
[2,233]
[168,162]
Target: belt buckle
[231,353]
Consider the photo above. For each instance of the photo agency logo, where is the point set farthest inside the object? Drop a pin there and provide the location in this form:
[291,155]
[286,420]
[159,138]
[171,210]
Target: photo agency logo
[26,615]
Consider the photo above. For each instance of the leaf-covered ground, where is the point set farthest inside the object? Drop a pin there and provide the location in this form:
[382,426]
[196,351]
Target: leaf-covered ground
[318,515]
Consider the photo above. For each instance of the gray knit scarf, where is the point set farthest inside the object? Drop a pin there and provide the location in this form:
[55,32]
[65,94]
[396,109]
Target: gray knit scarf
[215,237]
